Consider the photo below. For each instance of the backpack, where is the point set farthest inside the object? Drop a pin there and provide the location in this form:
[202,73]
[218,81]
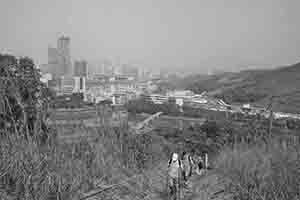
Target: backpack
[191,164]
[170,161]
[179,162]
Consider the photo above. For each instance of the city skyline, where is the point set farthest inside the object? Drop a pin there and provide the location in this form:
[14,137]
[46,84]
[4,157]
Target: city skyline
[191,34]
[59,61]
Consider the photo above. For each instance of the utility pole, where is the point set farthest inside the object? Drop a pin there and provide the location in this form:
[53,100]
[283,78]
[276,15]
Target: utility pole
[2,94]
[206,161]
[270,116]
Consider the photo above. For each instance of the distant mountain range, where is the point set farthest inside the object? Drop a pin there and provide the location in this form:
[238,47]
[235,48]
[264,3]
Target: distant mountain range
[252,86]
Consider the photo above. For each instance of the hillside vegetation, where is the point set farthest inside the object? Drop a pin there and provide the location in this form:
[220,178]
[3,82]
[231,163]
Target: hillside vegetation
[36,162]
[263,171]
[253,86]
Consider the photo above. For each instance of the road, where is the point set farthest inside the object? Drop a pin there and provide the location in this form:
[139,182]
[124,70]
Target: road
[167,117]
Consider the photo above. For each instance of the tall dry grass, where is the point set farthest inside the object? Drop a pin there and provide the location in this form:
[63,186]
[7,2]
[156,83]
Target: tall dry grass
[67,169]
[262,171]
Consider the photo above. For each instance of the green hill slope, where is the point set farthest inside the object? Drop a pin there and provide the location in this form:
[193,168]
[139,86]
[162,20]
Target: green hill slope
[255,86]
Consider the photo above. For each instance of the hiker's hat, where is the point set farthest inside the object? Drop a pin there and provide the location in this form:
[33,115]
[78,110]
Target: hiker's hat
[175,156]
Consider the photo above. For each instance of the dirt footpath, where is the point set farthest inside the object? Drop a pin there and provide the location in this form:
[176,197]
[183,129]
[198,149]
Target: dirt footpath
[206,187]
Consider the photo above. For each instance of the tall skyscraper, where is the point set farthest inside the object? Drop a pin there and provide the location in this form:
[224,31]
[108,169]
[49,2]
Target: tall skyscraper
[108,67]
[59,60]
[63,43]
[63,47]
[53,56]
[129,70]
[142,73]
[80,68]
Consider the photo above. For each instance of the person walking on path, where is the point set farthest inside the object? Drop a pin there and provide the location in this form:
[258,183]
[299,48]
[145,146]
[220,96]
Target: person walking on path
[187,166]
[193,160]
[200,165]
[173,177]
[197,162]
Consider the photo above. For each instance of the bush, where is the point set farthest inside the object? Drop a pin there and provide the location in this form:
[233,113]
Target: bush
[23,97]
[41,165]
[67,169]
[262,171]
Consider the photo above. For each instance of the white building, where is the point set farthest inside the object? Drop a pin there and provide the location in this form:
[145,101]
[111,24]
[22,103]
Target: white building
[66,86]
[46,78]
[79,85]
[156,98]
[116,89]
[181,93]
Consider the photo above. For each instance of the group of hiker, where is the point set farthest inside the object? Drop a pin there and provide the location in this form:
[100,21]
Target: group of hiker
[181,168]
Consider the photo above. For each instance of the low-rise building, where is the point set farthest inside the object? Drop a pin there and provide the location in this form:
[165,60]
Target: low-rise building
[155,98]
[118,89]
[119,98]
[45,78]
[181,93]
[65,86]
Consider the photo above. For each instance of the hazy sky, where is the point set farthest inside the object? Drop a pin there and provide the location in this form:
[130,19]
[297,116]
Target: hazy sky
[198,33]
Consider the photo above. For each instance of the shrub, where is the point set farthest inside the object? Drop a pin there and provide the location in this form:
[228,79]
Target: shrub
[67,169]
[264,171]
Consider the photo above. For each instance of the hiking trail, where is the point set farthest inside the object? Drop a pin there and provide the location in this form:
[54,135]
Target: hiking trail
[208,186]
[205,187]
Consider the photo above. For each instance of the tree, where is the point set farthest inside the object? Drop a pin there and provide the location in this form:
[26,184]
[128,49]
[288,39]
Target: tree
[23,96]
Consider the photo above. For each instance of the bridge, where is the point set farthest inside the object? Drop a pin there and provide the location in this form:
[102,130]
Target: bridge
[143,126]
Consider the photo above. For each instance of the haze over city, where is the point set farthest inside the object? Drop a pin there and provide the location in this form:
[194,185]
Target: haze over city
[195,34]
[150,99]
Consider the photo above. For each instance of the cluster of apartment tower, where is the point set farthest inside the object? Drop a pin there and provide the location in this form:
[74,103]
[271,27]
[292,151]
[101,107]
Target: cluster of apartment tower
[113,80]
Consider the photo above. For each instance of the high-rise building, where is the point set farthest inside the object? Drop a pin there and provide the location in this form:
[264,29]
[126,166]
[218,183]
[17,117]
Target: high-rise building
[80,68]
[129,70]
[79,84]
[53,56]
[55,61]
[143,73]
[108,68]
[59,60]
[117,70]
[63,47]
[63,44]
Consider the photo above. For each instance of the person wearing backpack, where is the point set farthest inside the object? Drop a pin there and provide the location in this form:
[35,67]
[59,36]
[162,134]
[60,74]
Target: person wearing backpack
[174,176]
[193,161]
[187,165]
[197,163]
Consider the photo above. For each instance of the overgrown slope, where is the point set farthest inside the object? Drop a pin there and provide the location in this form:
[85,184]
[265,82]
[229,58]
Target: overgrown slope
[255,86]
[262,171]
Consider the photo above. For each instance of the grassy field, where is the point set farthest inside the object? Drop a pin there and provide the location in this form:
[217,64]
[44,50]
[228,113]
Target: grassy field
[35,171]
[67,169]
[136,164]
[263,171]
